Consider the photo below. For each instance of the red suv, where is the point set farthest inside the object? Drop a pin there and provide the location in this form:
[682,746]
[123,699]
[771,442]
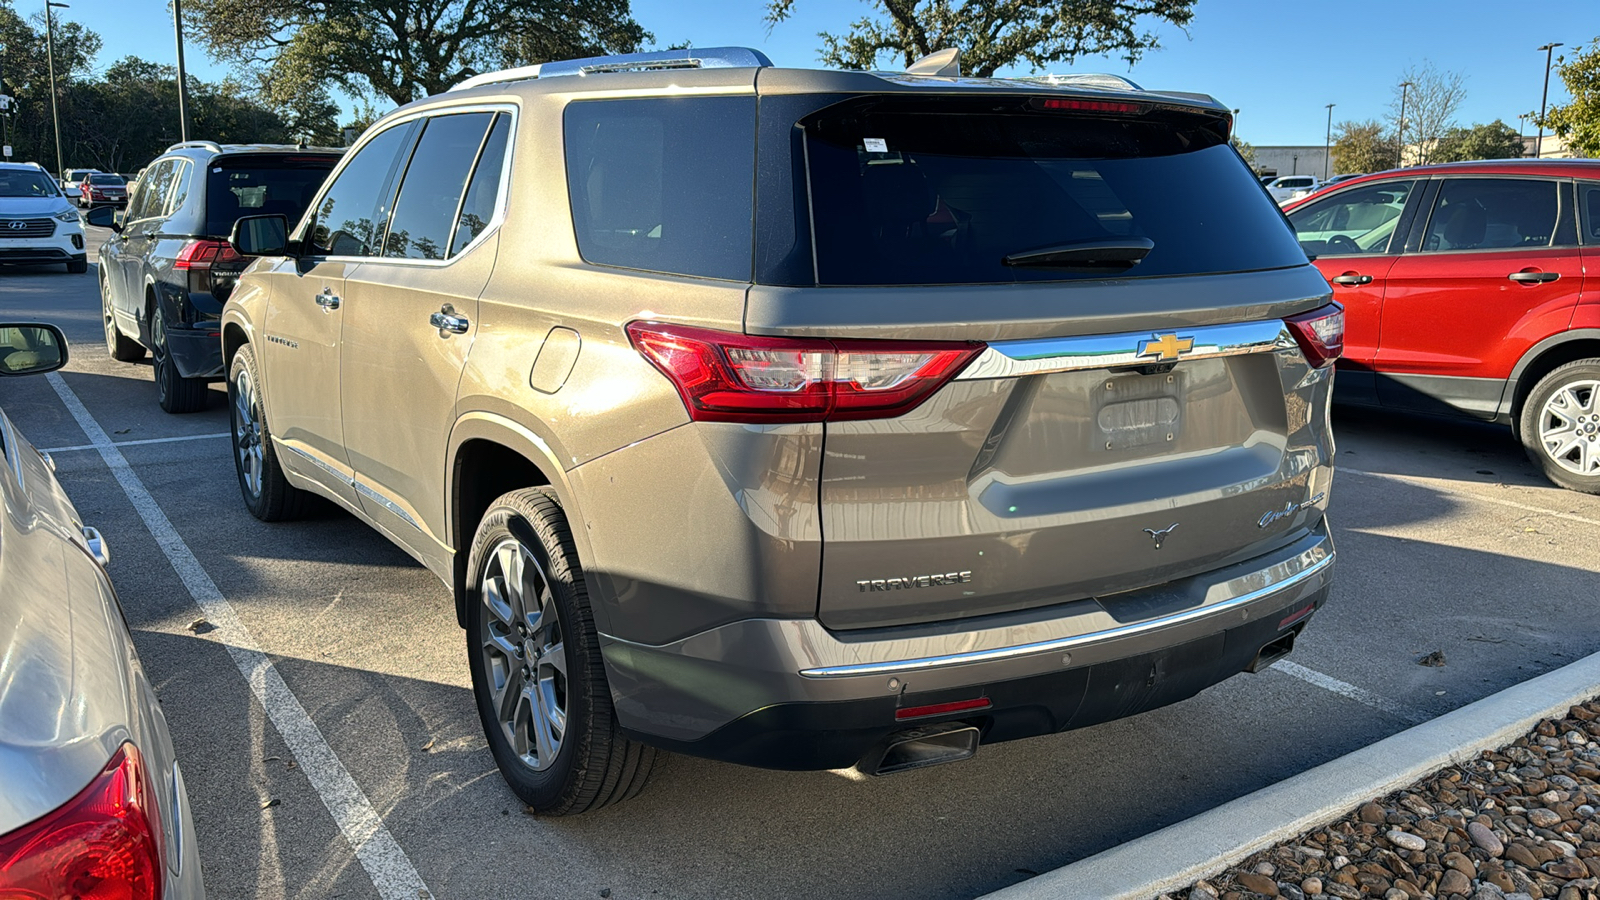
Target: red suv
[1464,294]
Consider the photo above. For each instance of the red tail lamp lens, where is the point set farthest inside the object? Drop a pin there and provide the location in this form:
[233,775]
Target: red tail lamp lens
[1099,106]
[1320,334]
[728,377]
[104,844]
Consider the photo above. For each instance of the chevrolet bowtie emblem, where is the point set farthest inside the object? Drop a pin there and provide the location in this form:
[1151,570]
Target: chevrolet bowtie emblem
[1168,346]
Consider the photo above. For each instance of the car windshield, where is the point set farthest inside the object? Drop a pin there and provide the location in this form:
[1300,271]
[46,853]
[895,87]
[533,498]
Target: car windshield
[26,184]
[105,179]
[262,185]
[954,192]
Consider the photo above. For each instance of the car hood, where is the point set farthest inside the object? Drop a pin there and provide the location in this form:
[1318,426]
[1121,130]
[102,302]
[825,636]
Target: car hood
[32,206]
[65,659]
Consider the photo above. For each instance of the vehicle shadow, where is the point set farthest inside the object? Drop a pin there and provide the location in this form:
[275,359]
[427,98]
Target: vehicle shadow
[1433,447]
[708,829]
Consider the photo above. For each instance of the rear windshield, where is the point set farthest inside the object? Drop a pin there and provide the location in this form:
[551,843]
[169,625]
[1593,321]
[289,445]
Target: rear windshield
[943,190]
[105,179]
[262,186]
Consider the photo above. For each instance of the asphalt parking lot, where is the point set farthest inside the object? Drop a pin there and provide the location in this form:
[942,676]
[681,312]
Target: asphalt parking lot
[1449,541]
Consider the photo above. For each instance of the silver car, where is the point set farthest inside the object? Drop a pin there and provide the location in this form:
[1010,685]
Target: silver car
[93,802]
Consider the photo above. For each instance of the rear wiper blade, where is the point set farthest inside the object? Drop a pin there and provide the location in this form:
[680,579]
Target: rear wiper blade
[1116,254]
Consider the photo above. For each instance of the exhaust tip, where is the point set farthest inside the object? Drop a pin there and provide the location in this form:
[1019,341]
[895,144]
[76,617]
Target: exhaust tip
[918,748]
[1273,651]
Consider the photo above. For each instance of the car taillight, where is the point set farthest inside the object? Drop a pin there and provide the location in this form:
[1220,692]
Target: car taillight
[1097,106]
[1320,334]
[728,377]
[104,844]
[199,258]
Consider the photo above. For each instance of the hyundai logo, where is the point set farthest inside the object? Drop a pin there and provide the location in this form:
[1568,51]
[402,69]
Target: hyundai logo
[16,225]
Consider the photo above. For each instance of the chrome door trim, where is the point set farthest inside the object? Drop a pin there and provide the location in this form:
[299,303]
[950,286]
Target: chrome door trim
[373,494]
[1066,643]
[306,455]
[1009,359]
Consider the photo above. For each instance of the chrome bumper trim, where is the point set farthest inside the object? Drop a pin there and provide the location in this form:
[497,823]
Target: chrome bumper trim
[1067,643]
[1009,359]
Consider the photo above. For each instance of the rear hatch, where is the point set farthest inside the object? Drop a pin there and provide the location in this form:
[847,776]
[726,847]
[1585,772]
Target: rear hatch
[254,184]
[1141,412]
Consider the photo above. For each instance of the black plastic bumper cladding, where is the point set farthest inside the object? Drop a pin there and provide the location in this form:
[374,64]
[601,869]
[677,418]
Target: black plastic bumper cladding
[807,736]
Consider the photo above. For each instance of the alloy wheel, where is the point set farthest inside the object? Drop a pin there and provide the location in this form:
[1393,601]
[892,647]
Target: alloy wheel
[1569,427]
[525,656]
[247,431]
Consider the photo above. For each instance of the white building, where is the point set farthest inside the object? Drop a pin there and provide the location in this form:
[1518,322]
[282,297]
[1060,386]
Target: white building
[1293,161]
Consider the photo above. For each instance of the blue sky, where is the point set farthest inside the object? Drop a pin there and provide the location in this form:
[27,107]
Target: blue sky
[1278,63]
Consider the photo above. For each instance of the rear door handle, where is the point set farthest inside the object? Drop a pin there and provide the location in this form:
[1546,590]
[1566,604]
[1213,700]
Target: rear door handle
[1533,277]
[1351,279]
[446,320]
[328,300]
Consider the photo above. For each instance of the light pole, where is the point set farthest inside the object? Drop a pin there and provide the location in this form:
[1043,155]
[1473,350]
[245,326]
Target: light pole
[1538,145]
[183,88]
[50,56]
[1327,144]
[1400,156]
[1522,124]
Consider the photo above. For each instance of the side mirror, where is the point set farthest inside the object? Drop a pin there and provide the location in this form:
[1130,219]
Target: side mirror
[30,349]
[103,216]
[261,236]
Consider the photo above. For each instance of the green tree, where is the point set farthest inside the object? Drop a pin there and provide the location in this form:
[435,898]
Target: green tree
[27,77]
[1245,150]
[402,49]
[1578,122]
[1362,147]
[1496,140]
[996,34]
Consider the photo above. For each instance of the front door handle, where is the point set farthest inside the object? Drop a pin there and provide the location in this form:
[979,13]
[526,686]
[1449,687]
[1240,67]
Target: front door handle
[328,300]
[1351,279]
[1533,277]
[447,321]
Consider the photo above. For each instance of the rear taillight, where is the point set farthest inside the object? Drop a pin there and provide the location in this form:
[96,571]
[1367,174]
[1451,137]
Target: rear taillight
[1320,334]
[104,844]
[201,258]
[728,377]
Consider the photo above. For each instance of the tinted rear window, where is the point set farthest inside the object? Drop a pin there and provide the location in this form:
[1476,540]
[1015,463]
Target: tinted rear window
[663,184]
[941,190]
[262,186]
[105,179]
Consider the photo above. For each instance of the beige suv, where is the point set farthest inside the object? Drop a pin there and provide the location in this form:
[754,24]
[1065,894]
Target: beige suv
[802,419]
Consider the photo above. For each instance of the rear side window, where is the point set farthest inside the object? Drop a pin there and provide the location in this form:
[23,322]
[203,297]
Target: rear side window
[425,212]
[942,190]
[1493,214]
[154,189]
[477,210]
[1591,212]
[263,185]
[664,185]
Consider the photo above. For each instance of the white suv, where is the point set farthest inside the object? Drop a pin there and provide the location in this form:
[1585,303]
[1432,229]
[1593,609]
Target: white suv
[1292,187]
[38,224]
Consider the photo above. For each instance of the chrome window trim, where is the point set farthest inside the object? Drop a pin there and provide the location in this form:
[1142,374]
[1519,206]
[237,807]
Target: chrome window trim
[1067,643]
[1009,359]
[500,201]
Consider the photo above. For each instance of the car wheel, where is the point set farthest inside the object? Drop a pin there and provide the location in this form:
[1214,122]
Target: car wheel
[78,266]
[121,348]
[1560,425]
[175,393]
[537,674]
[267,492]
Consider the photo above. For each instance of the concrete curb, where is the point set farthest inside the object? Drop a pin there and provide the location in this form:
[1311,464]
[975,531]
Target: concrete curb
[1180,854]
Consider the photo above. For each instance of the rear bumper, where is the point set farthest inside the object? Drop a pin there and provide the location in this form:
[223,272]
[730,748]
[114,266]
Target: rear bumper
[789,694]
[196,350]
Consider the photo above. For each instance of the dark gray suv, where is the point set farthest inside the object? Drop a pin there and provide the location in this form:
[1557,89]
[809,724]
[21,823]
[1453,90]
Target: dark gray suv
[803,419]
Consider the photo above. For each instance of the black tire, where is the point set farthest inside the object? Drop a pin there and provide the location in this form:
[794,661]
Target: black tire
[269,496]
[121,347]
[174,393]
[1564,461]
[594,764]
[78,266]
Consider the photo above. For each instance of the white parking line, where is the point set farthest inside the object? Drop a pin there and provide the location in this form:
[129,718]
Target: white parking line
[1434,482]
[166,440]
[390,869]
[1345,689]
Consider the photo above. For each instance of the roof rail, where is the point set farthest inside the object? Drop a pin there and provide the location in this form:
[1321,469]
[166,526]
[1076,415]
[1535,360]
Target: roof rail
[690,58]
[1092,80]
[203,145]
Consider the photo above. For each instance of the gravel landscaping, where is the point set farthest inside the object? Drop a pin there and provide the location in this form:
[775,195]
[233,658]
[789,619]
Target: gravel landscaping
[1517,823]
